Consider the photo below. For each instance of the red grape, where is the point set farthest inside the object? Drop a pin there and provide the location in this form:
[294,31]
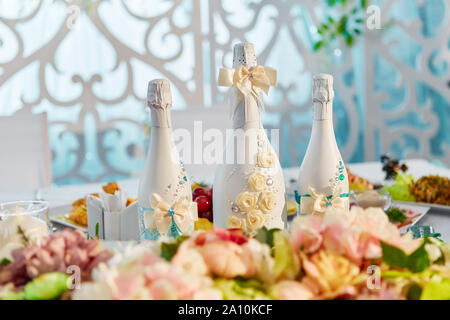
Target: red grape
[209,192]
[207,215]
[199,191]
[203,203]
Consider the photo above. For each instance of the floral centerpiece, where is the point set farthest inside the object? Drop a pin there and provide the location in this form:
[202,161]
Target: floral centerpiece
[337,255]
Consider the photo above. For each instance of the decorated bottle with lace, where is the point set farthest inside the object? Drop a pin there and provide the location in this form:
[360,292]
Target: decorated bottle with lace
[323,180]
[165,201]
[249,190]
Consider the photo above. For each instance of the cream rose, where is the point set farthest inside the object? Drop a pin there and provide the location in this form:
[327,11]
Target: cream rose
[255,219]
[266,201]
[247,200]
[266,159]
[257,182]
[234,222]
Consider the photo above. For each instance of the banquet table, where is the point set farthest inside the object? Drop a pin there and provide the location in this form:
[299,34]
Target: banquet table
[63,195]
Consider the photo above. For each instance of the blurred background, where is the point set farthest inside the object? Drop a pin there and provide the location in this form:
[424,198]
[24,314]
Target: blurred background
[86,64]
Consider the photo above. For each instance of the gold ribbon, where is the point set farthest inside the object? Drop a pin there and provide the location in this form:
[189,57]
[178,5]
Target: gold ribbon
[249,81]
[183,211]
[321,203]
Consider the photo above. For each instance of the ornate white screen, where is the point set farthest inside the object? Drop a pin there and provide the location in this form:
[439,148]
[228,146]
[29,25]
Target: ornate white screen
[391,89]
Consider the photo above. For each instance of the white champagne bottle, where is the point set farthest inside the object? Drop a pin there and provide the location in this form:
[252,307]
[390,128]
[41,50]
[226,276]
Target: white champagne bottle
[164,197]
[249,190]
[323,180]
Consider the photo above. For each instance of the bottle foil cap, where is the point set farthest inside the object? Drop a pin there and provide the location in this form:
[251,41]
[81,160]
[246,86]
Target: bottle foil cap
[323,95]
[323,88]
[159,94]
[244,54]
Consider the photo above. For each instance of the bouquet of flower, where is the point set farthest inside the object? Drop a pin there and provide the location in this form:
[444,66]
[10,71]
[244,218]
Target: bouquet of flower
[355,255]
[43,271]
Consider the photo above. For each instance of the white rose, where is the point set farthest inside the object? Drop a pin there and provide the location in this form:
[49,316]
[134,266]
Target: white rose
[234,222]
[255,219]
[247,200]
[267,201]
[266,159]
[190,260]
[257,182]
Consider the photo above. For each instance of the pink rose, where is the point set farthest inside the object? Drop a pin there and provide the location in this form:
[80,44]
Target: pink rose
[224,259]
[291,290]
[306,233]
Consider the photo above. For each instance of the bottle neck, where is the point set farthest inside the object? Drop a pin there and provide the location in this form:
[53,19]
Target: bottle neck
[322,128]
[160,118]
[323,111]
[246,114]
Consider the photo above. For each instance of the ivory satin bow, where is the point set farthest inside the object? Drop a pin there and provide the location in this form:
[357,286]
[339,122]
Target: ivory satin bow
[322,202]
[183,213]
[249,81]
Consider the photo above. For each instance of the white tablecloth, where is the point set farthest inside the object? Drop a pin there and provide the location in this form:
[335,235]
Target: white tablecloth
[63,195]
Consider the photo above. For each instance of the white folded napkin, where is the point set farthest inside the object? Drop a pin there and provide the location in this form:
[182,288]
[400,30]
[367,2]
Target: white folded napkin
[110,219]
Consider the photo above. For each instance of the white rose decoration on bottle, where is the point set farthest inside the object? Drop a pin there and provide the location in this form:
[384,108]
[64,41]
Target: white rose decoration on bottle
[249,190]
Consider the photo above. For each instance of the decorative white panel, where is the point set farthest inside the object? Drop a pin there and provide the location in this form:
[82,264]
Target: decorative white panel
[392,93]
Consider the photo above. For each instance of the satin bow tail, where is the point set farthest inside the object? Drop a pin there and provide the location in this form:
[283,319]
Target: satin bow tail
[174,231]
[173,220]
[249,82]
[321,201]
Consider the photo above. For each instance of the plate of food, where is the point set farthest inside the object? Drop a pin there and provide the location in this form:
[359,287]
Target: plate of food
[405,215]
[429,191]
[75,215]
[68,215]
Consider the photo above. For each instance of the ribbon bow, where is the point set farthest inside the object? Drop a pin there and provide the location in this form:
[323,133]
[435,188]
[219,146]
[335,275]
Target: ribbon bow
[249,81]
[322,202]
[175,219]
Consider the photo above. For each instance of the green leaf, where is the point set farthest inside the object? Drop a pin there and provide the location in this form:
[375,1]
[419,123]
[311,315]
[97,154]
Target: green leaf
[396,214]
[97,226]
[342,25]
[241,289]
[349,40]
[396,274]
[414,292]
[10,294]
[286,264]
[169,249]
[415,262]
[331,3]
[318,45]
[436,290]
[5,262]
[48,286]
[418,260]
[266,236]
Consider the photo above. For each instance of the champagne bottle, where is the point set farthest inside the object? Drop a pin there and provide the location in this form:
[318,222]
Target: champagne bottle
[249,190]
[164,196]
[323,180]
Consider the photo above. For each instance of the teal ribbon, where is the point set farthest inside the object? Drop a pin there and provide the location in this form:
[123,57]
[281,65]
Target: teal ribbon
[173,232]
[298,197]
[146,233]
